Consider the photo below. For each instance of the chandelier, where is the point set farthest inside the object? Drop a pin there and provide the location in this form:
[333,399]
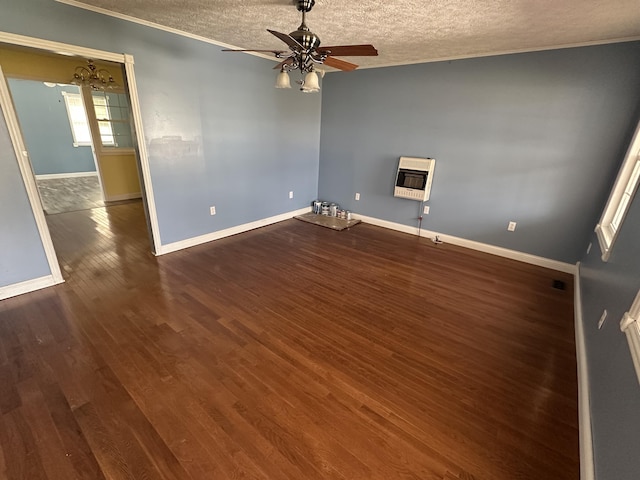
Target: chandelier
[93,77]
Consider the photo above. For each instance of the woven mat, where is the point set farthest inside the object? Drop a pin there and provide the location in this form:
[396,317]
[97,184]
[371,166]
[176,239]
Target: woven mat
[333,223]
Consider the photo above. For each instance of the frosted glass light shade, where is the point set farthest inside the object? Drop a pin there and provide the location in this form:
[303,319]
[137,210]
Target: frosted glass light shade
[283,81]
[311,83]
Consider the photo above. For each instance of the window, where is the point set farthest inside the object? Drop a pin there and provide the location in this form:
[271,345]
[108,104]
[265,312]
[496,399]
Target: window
[112,113]
[101,107]
[631,327]
[77,119]
[80,124]
[620,198]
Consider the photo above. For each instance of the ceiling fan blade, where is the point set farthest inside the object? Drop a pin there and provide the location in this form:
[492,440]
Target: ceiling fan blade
[288,39]
[350,50]
[275,52]
[340,64]
[279,66]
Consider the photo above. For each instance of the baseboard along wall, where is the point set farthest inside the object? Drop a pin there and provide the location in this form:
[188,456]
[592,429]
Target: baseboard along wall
[587,467]
[209,237]
[27,286]
[473,245]
[53,176]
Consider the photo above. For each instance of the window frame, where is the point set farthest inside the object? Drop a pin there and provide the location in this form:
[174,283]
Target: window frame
[67,97]
[104,123]
[620,199]
[630,325]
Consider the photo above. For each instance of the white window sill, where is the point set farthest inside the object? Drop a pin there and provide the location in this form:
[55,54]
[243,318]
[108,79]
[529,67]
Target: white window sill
[605,241]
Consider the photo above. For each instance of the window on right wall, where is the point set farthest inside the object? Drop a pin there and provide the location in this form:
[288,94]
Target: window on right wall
[620,199]
[631,327]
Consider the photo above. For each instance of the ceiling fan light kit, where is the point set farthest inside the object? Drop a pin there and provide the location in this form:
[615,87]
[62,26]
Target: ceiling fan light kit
[283,80]
[311,83]
[305,53]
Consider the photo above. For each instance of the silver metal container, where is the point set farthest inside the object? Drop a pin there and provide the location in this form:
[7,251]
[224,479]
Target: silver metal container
[317,207]
[333,210]
[348,215]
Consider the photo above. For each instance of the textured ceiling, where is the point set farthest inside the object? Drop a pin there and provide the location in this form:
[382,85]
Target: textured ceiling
[403,31]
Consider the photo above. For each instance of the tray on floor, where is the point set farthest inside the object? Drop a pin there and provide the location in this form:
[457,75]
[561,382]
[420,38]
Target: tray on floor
[333,223]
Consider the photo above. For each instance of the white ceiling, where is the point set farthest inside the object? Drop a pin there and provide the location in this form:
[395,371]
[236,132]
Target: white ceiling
[403,31]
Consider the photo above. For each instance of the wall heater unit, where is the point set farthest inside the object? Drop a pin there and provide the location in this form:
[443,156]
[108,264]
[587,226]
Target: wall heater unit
[414,177]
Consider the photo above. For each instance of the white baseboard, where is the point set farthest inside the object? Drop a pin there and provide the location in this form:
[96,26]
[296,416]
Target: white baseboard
[209,237]
[53,176]
[481,247]
[27,286]
[587,469]
[124,196]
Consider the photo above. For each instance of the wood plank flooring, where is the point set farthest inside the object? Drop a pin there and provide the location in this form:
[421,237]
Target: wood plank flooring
[288,352]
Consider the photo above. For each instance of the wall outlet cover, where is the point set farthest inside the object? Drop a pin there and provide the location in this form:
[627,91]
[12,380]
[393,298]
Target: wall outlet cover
[512,226]
[426,210]
[602,319]
[212,210]
[291,194]
[357,196]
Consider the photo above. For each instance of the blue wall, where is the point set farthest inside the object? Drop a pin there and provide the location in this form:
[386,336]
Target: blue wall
[22,255]
[615,392]
[45,128]
[218,132]
[534,138]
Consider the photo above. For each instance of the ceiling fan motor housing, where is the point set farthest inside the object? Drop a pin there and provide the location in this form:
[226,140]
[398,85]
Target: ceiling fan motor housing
[305,5]
[306,38]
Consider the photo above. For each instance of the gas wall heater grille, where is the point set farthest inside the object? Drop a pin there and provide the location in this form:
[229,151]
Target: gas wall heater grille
[414,177]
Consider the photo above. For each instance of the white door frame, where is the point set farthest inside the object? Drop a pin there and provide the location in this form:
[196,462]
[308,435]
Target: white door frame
[29,179]
[25,167]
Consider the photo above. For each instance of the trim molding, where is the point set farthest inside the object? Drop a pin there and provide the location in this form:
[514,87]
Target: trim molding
[587,467]
[630,326]
[60,48]
[157,26]
[146,183]
[27,286]
[53,176]
[506,52]
[209,237]
[124,196]
[146,23]
[22,157]
[473,245]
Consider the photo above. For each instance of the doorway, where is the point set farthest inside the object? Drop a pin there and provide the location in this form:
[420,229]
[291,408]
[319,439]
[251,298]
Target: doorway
[136,145]
[55,128]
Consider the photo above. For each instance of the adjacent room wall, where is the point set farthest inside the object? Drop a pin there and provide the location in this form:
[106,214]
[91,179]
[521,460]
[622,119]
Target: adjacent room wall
[22,256]
[534,138]
[217,130]
[45,128]
[615,392]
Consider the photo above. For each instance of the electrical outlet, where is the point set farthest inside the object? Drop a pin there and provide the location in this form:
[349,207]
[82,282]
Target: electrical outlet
[291,194]
[426,210]
[512,226]
[602,319]
[212,210]
[357,196]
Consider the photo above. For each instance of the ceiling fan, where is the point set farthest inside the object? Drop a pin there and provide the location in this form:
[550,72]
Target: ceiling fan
[305,53]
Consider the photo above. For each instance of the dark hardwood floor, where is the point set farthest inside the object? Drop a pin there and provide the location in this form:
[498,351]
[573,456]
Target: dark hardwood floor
[288,352]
